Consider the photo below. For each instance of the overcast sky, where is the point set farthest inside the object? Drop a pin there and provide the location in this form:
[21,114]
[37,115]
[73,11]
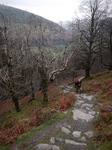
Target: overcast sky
[54,10]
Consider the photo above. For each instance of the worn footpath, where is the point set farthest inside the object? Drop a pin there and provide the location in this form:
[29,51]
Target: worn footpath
[70,133]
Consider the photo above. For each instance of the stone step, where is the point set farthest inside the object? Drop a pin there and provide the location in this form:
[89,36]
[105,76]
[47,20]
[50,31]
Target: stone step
[61,141]
[46,147]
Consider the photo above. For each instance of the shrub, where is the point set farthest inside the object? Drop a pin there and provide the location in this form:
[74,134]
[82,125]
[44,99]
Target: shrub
[65,102]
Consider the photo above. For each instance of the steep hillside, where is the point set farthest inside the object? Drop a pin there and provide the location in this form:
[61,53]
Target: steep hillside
[19,16]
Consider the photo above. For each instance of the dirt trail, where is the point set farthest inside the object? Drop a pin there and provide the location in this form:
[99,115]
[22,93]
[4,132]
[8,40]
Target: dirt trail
[68,134]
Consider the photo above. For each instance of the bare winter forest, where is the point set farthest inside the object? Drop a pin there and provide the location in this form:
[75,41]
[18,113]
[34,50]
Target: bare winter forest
[38,55]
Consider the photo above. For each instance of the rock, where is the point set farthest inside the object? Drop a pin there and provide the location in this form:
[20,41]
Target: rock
[78,96]
[87,97]
[89,134]
[69,126]
[81,101]
[106,109]
[74,143]
[53,110]
[87,105]
[25,120]
[83,139]
[65,130]
[79,114]
[92,113]
[78,103]
[66,91]
[60,141]
[52,140]
[65,112]
[97,114]
[76,134]
[87,108]
[46,147]
[100,104]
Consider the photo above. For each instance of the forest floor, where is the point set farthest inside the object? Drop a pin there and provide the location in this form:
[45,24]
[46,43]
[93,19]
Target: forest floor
[72,132]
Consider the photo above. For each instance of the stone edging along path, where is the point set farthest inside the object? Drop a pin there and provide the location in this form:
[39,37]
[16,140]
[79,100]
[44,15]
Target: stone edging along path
[73,133]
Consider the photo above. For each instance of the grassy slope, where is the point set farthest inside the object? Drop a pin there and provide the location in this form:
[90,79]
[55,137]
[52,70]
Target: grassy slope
[101,85]
[33,116]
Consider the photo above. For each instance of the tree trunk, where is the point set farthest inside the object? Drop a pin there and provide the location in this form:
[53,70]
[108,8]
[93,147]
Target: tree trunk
[45,96]
[12,91]
[14,98]
[110,66]
[87,71]
[32,88]
[16,103]
[44,87]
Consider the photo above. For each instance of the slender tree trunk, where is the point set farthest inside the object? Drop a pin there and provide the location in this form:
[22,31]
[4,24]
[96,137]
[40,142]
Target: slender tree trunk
[15,100]
[10,72]
[11,87]
[87,71]
[44,87]
[32,88]
[45,96]
[16,103]
[110,66]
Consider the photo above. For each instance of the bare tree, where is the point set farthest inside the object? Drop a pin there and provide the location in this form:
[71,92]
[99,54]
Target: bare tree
[51,57]
[10,70]
[30,72]
[94,11]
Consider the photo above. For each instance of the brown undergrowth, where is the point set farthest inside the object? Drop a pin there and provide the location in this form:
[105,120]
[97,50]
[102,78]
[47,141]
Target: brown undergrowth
[33,114]
[101,85]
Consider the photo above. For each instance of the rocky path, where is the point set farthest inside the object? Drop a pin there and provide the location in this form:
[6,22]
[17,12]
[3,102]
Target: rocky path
[69,134]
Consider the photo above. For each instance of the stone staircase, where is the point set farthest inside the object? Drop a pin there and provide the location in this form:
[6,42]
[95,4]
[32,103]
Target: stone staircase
[74,135]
